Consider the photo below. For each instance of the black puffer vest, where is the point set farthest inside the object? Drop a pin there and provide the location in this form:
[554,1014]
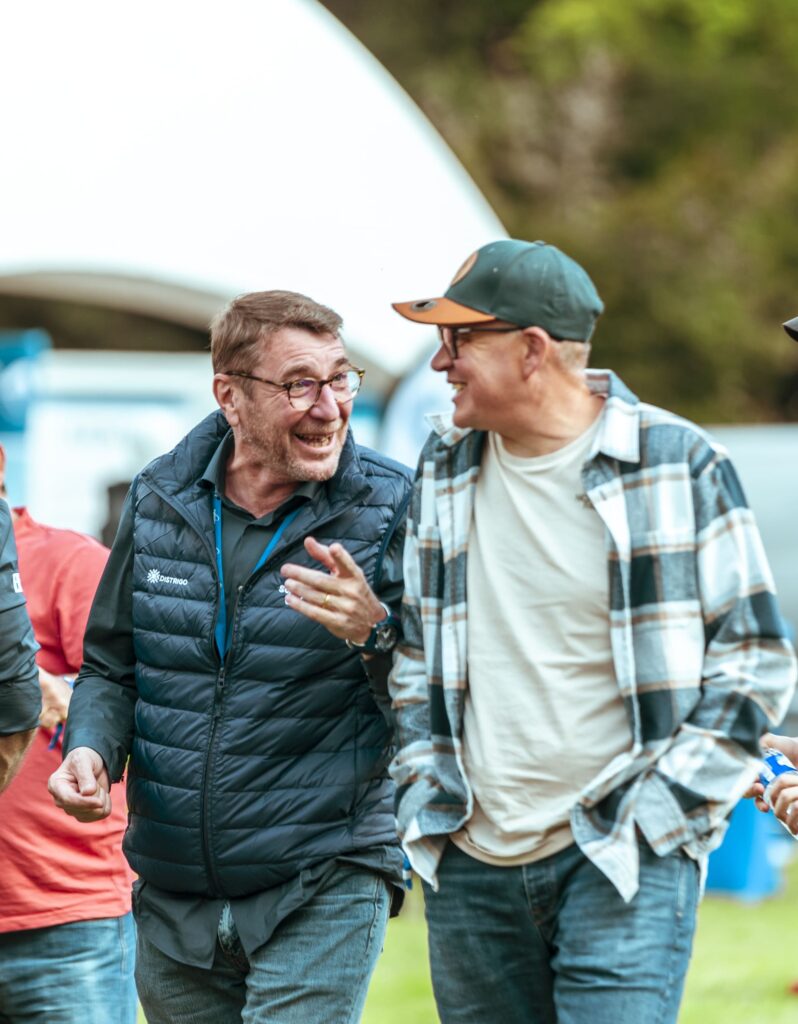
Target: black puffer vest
[246,772]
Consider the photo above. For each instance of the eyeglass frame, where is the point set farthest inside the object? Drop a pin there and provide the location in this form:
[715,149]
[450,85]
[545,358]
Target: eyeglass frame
[319,384]
[452,350]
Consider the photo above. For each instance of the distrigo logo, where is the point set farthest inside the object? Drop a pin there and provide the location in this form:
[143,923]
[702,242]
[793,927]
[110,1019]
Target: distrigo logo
[156,576]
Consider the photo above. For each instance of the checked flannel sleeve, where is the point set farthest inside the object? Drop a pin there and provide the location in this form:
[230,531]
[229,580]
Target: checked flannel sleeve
[747,680]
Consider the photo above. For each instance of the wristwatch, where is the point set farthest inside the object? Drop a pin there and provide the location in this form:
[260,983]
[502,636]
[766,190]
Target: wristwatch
[383,637]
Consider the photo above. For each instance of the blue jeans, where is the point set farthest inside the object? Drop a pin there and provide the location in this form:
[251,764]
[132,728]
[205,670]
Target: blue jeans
[77,973]
[553,943]
[315,969]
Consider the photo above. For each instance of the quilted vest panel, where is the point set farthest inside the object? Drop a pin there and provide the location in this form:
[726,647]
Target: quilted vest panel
[246,772]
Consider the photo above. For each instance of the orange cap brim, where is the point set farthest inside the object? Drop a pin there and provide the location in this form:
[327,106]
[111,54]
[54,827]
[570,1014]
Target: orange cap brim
[441,311]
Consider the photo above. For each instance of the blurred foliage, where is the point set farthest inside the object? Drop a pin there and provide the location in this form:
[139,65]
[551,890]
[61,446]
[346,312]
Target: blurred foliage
[654,140]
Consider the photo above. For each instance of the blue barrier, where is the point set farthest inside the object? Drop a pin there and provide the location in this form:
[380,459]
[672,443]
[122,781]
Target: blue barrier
[744,865]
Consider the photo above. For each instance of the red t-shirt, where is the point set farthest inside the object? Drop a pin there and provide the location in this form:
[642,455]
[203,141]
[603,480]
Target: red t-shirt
[54,869]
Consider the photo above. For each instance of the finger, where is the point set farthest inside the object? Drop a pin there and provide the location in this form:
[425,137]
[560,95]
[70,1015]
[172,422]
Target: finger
[312,578]
[64,792]
[85,778]
[86,814]
[321,611]
[321,552]
[345,564]
[308,595]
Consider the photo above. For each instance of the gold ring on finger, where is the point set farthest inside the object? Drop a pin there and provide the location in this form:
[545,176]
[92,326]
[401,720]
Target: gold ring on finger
[326,599]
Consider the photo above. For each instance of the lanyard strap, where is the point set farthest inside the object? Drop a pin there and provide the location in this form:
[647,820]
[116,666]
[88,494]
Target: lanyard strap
[222,641]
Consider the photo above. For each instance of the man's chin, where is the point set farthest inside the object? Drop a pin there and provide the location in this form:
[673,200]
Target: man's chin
[318,467]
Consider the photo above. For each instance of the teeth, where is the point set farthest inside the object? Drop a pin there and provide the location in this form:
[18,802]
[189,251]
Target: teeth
[315,440]
[458,387]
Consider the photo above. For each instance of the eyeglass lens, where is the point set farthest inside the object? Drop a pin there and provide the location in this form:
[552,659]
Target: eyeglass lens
[303,394]
[448,338]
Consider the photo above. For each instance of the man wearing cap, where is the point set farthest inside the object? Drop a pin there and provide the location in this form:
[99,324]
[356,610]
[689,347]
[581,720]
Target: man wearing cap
[591,651]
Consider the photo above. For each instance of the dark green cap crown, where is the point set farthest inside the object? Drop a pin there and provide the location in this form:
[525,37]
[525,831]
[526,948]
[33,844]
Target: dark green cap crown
[531,284]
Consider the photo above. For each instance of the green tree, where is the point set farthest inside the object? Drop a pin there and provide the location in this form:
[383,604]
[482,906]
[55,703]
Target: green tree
[653,140]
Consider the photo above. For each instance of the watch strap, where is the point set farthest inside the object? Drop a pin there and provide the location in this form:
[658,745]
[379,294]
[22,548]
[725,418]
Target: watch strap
[368,645]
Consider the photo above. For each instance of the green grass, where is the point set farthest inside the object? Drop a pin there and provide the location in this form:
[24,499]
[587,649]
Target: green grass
[744,957]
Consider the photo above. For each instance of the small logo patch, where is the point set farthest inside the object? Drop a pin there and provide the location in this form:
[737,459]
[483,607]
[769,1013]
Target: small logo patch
[464,269]
[155,576]
[16,583]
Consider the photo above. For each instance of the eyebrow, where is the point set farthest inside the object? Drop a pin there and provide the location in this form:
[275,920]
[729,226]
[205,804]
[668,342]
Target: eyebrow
[299,370]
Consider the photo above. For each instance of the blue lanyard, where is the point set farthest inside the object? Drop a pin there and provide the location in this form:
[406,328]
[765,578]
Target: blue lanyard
[222,640]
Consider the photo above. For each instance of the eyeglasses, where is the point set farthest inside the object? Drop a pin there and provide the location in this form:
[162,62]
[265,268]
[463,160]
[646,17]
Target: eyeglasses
[450,337]
[303,394]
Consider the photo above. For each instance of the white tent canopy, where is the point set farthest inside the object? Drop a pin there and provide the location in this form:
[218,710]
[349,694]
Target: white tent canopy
[193,148]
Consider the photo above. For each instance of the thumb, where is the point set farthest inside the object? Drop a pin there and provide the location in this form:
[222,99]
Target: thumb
[84,776]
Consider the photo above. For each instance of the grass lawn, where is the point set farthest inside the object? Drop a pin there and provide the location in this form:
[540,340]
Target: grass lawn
[744,957]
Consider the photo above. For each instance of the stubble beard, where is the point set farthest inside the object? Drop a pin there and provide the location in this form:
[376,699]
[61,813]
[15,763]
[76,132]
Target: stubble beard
[273,450]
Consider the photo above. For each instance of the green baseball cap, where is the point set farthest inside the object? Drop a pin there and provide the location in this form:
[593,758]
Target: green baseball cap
[532,284]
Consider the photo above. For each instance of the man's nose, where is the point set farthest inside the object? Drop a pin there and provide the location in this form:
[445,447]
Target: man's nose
[442,360]
[325,406]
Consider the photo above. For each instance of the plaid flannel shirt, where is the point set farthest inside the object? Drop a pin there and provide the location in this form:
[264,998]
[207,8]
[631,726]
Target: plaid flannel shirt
[699,647]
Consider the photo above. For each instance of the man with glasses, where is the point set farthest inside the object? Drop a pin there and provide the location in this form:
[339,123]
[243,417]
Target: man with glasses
[238,652]
[591,651]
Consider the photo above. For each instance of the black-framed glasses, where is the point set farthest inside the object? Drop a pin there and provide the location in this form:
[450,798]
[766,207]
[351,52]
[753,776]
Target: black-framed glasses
[303,394]
[451,337]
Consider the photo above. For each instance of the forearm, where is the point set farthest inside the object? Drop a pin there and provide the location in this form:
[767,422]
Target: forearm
[704,771]
[101,717]
[12,752]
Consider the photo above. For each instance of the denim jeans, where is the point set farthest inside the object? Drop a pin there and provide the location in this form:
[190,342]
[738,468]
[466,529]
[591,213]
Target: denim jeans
[77,973]
[315,969]
[553,943]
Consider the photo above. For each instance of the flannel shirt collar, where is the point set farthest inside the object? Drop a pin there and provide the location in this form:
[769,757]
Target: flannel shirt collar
[618,438]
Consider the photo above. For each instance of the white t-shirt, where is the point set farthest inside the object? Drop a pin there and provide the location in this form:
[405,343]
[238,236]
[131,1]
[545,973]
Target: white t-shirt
[543,714]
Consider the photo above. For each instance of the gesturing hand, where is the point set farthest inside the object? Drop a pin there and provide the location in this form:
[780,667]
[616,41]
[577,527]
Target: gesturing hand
[340,599]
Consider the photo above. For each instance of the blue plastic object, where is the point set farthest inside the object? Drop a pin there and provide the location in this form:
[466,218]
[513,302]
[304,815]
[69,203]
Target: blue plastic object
[743,866]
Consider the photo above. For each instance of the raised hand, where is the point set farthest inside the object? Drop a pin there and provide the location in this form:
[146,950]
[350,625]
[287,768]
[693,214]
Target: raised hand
[340,599]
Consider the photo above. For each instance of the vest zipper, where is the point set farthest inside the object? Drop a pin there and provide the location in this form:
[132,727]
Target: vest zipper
[206,790]
[218,695]
[217,701]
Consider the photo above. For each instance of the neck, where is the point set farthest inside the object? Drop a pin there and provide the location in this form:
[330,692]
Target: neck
[254,487]
[560,416]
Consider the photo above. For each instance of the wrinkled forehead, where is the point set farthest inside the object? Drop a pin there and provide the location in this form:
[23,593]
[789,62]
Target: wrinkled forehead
[294,351]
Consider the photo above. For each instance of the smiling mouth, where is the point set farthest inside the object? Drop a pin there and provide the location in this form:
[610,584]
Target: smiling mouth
[316,440]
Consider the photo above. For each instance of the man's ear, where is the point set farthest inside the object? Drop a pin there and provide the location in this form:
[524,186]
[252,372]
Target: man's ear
[2,469]
[227,397]
[536,345]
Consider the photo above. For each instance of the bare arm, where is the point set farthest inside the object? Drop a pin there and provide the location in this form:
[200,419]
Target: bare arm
[20,700]
[12,752]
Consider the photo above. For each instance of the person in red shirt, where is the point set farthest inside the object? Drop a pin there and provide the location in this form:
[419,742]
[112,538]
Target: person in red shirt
[67,938]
